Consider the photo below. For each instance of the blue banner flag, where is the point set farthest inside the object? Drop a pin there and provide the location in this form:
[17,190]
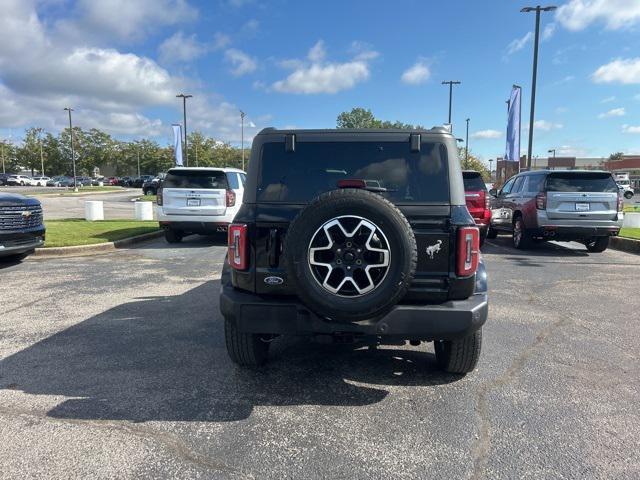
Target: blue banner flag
[177,144]
[513,126]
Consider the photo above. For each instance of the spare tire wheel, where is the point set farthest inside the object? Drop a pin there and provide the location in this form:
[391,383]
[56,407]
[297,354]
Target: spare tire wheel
[351,255]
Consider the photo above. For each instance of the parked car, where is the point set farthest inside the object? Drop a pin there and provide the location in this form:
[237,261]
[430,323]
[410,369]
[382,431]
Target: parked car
[83,181]
[60,181]
[355,236]
[125,181]
[40,181]
[21,226]
[111,181]
[150,187]
[137,182]
[564,205]
[478,201]
[199,200]
[4,177]
[22,180]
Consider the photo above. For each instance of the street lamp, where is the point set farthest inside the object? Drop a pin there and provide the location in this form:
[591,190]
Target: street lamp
[491,169]
[536,9]
[451,83]
[73,156]
[466,147]
[554,152]
[184,113]
[242,115]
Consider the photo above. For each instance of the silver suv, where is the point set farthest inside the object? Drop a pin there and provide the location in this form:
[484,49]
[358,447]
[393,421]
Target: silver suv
[565,205]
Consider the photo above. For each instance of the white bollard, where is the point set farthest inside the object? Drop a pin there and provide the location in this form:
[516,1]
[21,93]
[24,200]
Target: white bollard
[93,211]
[144,210]
[631,220]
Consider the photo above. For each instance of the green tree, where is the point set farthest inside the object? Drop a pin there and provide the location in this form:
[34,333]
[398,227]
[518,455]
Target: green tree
[28,154]
[363,118]
[473,163]
[616,156]
[8,157]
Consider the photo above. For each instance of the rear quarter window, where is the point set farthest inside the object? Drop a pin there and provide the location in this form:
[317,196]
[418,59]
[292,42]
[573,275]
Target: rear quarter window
[316,167]
[213,179]
[473,181]
[581,182]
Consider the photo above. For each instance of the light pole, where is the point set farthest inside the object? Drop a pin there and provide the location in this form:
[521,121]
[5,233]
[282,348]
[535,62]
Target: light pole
[73,156]
[41,160]
[554,152]
[138,152]
[451,83]
[184,113]
[3,157]
[536,9]
[242,115]
[466,147]
[491,169]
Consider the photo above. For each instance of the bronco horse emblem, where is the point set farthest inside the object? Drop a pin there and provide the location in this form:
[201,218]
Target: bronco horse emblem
[433,249]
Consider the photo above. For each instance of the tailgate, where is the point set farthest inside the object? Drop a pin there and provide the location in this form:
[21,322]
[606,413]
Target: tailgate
[183,201]
[581,196]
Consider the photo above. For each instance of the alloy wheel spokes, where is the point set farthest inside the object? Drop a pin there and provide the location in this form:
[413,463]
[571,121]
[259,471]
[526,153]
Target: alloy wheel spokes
[349,256]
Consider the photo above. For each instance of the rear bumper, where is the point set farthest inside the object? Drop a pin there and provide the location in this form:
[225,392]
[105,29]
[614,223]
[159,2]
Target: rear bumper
[195,223]
[15,243]
[574,233]
[257,314]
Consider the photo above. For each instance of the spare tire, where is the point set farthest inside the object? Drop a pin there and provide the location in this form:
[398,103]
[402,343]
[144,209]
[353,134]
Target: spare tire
[351,255]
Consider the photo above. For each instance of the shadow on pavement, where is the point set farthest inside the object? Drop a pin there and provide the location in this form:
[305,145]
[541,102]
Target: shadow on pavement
[188,242]
[163,358]
[501,244]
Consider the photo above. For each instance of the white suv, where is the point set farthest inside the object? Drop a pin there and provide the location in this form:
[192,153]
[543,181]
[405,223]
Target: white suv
[200,200]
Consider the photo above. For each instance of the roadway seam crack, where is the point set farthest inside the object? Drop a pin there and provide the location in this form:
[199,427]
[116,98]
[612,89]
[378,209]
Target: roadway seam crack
[482,446]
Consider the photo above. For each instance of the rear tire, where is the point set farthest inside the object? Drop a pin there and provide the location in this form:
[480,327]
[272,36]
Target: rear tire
[459,356]
[521,238]
[173,236]
[597,244]
[628,195]
[245,349]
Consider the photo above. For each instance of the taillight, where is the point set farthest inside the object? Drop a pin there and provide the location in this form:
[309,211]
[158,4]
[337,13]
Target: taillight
[231,198]
[541,201]
[237,242]
[468,251]
[159,196]
[487,201]
[620,202]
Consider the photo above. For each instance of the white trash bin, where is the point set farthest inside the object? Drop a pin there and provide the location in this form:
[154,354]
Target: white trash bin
[631,220]
[144,210]
[93,210]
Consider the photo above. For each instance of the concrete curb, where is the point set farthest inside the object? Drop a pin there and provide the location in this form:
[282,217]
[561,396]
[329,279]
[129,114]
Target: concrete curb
[628,245]
[81,193]
[96,248]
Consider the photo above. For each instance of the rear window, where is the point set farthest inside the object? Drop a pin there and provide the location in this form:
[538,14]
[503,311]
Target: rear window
[316,167]
[473,181]
[581,182]
[195,179]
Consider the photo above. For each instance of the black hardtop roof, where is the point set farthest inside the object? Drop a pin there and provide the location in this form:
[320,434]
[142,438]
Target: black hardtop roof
[352,131]
[563,170]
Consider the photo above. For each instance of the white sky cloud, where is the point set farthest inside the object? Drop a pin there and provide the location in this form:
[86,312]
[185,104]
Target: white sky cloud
[614,112]
[319,76]
[614,14]
[487,134]
[548,31]
[608,99]
[416,74]
[519,43]
[546,126]
[241,63]
[620,70]
[181,48]
[631,129]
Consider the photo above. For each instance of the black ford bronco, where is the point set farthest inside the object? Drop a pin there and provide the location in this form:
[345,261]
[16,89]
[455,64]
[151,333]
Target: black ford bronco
[359,236]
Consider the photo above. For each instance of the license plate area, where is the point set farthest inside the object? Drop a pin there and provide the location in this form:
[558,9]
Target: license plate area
[193,202]
[582,207]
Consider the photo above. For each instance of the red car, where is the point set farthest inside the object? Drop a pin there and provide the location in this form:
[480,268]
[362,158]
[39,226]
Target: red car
[478,201]
[111,181]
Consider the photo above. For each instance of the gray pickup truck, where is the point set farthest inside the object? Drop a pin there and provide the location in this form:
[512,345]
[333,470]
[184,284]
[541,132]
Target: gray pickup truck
[565,205]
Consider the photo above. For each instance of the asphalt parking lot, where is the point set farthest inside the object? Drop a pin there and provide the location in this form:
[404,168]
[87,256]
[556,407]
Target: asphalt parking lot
[114,366]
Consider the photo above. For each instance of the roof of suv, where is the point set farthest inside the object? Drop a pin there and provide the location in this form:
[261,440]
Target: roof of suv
[434,130]
[563,170]
[197,169]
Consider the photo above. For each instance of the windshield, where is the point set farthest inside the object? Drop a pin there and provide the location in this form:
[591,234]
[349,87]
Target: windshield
[391,168]
[196,179]
[581,182]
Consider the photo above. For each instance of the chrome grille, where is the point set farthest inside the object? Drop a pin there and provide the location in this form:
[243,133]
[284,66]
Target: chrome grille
[15,217]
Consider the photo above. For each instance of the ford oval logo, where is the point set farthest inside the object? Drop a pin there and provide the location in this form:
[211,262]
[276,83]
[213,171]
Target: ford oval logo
[274,280]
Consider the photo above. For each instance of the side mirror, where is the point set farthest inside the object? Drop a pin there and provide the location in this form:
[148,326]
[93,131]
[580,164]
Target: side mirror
[493,192]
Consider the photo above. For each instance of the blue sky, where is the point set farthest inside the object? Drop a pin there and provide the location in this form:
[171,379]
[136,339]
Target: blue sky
[119,63]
